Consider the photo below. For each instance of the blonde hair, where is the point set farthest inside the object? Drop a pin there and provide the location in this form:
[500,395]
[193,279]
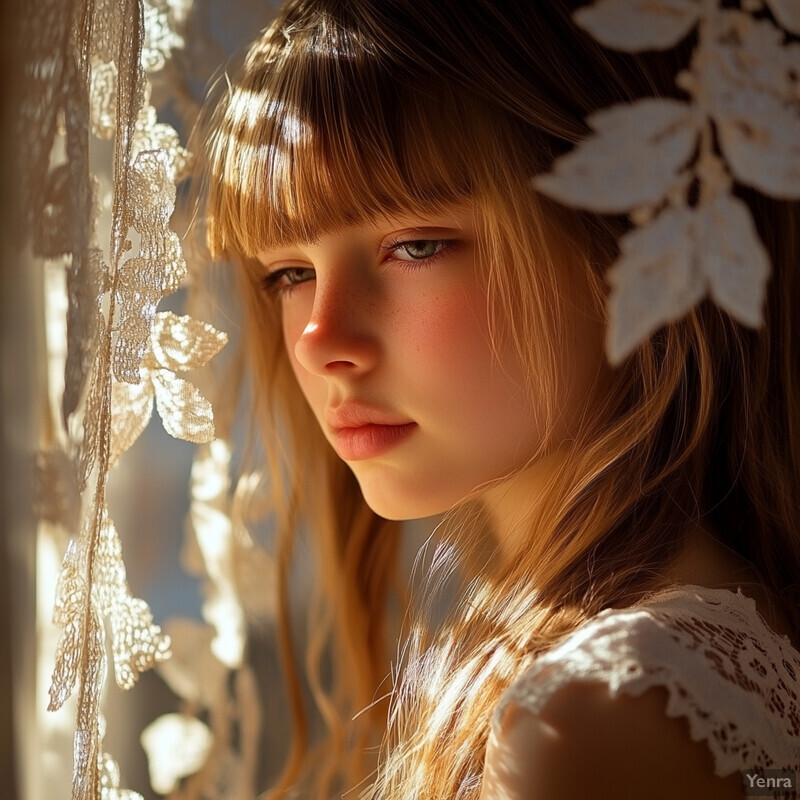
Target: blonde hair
[347,111]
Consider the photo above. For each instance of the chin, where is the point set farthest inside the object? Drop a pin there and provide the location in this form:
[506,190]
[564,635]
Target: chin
[401,506]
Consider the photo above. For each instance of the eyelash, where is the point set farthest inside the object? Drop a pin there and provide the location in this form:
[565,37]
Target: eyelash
[415,263]
[272,281]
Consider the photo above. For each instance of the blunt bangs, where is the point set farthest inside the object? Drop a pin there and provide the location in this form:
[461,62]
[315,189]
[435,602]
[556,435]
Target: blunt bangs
[323,131]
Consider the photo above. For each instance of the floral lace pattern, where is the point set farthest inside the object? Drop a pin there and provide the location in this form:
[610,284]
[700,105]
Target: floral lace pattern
[97,220]
[734,679]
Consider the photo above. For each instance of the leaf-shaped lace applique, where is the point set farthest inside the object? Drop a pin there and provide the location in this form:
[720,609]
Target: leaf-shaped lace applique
[760,138]
[735,261]
[158,270]
[632,160]
[182,343]
[138,644]
[750,84]
[184,412]
[654,281]
[65,671]
[80,651]
[91,443]
[787,12]
[176,344]
[149,133]
[669,265]
[68,614]
[131,408]
[139,297]
[749,53]
[634,25]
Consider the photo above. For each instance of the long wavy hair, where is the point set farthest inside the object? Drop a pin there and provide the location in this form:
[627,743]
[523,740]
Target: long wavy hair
[345,110]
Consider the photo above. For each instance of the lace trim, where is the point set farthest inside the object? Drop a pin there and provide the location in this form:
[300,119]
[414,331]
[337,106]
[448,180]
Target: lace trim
[735,680]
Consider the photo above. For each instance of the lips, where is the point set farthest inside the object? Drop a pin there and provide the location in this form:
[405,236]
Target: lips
[362,432]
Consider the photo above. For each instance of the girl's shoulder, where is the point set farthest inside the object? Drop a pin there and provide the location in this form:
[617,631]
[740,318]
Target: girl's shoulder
[704,658]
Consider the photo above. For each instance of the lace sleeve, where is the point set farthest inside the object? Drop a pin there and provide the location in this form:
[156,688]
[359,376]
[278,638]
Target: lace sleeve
[735,680]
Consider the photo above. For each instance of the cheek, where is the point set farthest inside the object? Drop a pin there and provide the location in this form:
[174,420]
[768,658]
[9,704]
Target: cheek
[443,329]
[447,345]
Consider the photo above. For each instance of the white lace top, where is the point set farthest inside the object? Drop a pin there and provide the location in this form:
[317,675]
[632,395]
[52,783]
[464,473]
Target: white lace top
[734,679]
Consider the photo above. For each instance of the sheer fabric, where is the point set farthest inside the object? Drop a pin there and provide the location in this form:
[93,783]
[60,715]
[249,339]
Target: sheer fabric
[733,678]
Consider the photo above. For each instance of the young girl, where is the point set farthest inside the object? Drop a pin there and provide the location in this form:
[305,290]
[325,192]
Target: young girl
[425,331]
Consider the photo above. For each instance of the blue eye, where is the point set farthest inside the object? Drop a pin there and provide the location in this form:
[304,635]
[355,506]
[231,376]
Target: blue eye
[285,280]
[418,249]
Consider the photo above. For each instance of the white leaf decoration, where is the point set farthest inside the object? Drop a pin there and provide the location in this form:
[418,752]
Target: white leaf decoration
[671,165]
[65,672]
[633,160]
[137,643]
[182,343]
[184,412]
[760,138]
[654,282]
[787,12]
[736,262]
[749,53]
[132,407]
[634,25]
[176,745]
[671,264]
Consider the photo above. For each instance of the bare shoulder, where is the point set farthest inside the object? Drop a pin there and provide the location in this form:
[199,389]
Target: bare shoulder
[586,744]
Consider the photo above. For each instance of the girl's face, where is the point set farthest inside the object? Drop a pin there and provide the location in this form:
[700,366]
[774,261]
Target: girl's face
[386,327]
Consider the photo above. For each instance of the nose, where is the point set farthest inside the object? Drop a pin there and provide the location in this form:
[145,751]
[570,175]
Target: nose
[340,337]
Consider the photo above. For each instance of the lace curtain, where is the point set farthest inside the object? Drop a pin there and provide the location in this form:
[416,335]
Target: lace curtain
[100,94]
